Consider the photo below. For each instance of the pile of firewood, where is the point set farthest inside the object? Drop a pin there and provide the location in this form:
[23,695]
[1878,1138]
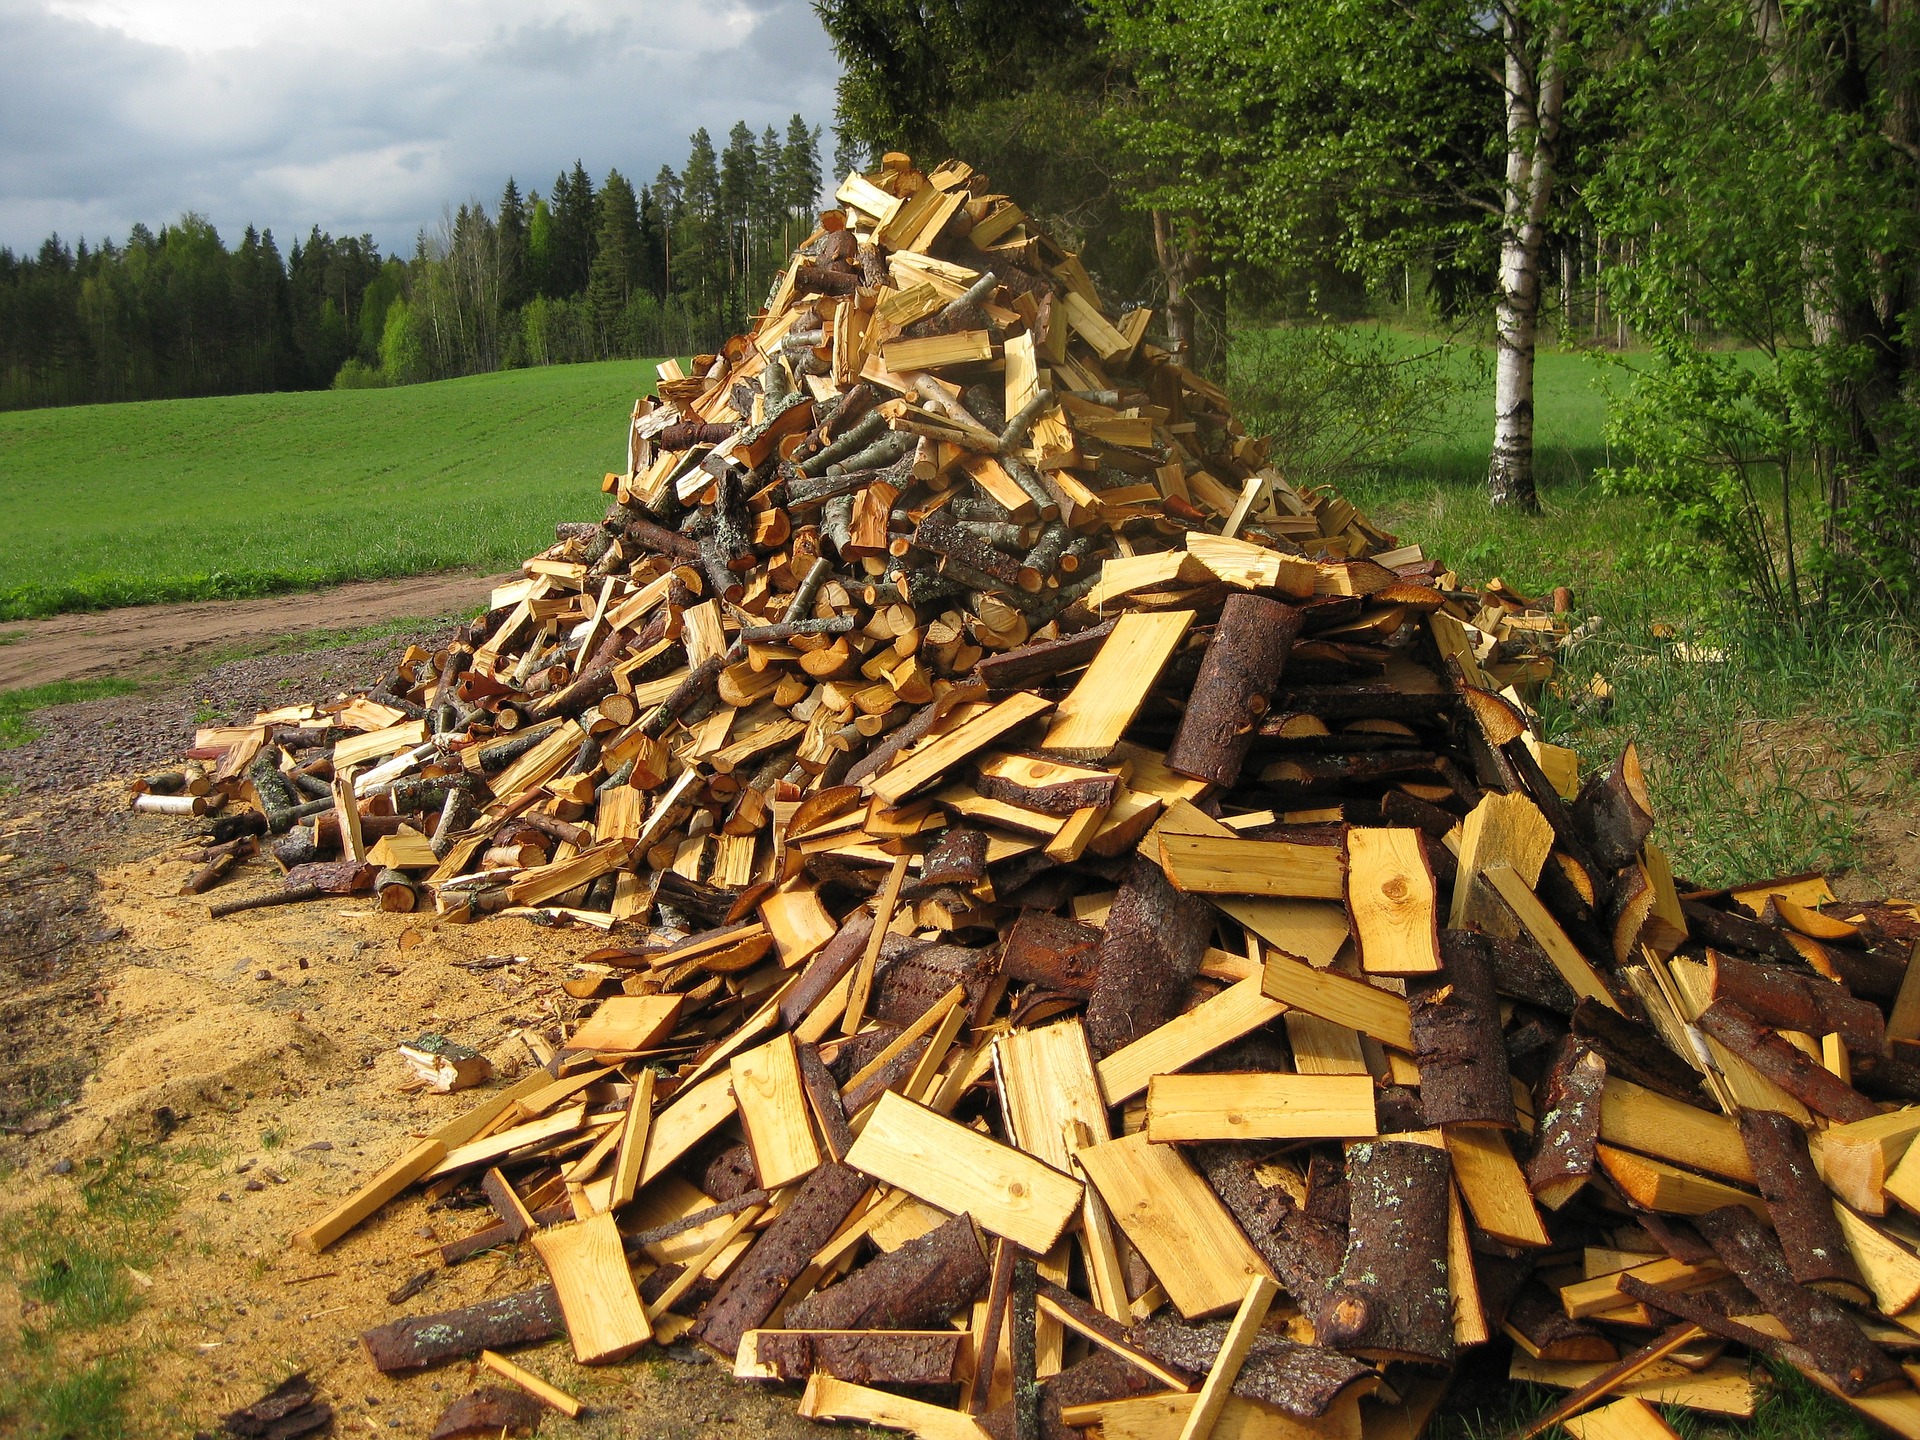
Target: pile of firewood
[1102,944]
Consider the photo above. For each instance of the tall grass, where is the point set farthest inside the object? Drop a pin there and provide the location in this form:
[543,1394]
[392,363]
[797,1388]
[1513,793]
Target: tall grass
[1766,750]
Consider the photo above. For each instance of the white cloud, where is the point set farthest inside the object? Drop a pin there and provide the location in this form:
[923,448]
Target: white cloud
[368,115]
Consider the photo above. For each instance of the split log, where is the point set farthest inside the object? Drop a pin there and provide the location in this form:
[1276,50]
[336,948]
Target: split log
[1155,936]
[1726,931]
[757,1281]
[1810,1237]
[1567,1123]
[1831,1339]
[920,1285]
[1304,1245]
[1457,1038]
[1391,1298]
[863,1357]
[423,1340]
[1301,1380]
[1243,662]
[333,877]
[293,896]
[1043,662]
[1779,997]
[1812,1085]
[1538,1322]
[1611,813]
[1101,1376]
[1633,1052]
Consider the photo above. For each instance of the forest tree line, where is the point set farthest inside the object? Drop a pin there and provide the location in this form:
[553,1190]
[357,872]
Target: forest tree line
[585,271]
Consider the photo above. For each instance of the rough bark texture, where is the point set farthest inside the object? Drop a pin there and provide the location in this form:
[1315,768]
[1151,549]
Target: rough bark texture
[919,1286]
[286,1412]
[875,1357]
[1797,1001]
[1812,1085]
[488,1414]
[1242,665]
[1634,1052]
[1052,951]
[1101,1376]
[761,1276]
[1610,819]
[1044,662]
[1567,1107]
[826,969]
[1827,1333]
[422,1340]
[1457,1037]
[1536,1313]
[1800,1204]
[1155,937]
[1303,1380]
[1391,1297]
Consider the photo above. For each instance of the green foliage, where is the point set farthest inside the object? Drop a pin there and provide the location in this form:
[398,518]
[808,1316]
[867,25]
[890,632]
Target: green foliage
[250,495]
[356,374]
[1760,194]
[1337,402]
[403,357]
[16,706]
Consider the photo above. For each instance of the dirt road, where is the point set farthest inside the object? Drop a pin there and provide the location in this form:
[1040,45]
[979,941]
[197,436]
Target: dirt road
[140,638]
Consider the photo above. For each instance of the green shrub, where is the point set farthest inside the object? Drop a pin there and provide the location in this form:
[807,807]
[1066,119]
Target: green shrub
[356,374]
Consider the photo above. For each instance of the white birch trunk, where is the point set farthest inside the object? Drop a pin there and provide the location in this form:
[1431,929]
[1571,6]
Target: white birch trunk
[1534,100]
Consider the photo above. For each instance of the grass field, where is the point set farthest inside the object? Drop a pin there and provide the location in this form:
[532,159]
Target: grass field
[251,494]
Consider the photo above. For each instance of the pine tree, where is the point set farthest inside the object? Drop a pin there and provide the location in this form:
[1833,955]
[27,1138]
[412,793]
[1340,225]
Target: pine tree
[540,247]
[572,206]
[849,155]
[616,265]
[800,169]
[699,238]
[512,222]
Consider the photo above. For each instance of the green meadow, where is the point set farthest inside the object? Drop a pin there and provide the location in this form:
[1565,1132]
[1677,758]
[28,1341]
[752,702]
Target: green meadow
[251,494]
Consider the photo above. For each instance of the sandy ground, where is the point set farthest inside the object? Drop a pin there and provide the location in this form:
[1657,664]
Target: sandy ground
[132,641]
[258,1053]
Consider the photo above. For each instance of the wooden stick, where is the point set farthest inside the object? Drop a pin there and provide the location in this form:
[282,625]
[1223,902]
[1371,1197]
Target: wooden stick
[531,1383]
[1241,1333]
[1612,1378]
[862,990]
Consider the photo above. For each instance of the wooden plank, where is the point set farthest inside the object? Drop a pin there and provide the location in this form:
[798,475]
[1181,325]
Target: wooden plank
[773,1111]
[1855,1159]
[829,1399]
[1538,922]
[1725,1388]
[1048,1086]
[1176,1222]
[1501,830]
[1241,1106]
[1493,1185]
[1092,719]
[693,1115]
[1313,930]
[1344,1001]
[1160,1417]
[628,1023]
[486,1150]
[1208,865]
[957,1169]
[927,762]
[963,347]
[1238,1010]
[590,1276]
[1656,1185]
[1628,1419]
[1391,896]
[411,1166]
[1242,1331]
[633,1141]
[1635,1118]
[799,922]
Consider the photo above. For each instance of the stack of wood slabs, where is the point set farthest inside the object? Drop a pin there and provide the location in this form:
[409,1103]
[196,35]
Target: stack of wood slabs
[1098,940]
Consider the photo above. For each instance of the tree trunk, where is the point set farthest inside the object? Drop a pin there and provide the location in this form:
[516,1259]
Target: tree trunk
[1195,316]
[1535,89]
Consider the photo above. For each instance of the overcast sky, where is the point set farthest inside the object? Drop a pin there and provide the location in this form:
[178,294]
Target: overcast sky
[369,115]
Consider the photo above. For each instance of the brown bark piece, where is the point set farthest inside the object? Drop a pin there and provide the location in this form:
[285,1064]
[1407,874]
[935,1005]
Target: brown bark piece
[1633,1052]
[1828,1334]
[1053,952]
[1242,665]
[919,1286]
[869,1357]
[422,1340]
[1391,1298]
[1537,1316]
[1780,997]
[489,1413]
[1044,662]
[1101,1376]
[1567,1123]
[1155,937]
[1302,1380]
[1812,1085]
[1457,1037]
[1801,1206]
[758,1280]
[1610,814]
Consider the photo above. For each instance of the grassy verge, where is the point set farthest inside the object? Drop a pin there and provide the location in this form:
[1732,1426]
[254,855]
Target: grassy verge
[17,706]
[247,495]
[1767,752]
[75,1265]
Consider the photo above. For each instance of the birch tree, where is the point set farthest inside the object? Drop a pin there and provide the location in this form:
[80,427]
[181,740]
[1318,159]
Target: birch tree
[1379,134]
